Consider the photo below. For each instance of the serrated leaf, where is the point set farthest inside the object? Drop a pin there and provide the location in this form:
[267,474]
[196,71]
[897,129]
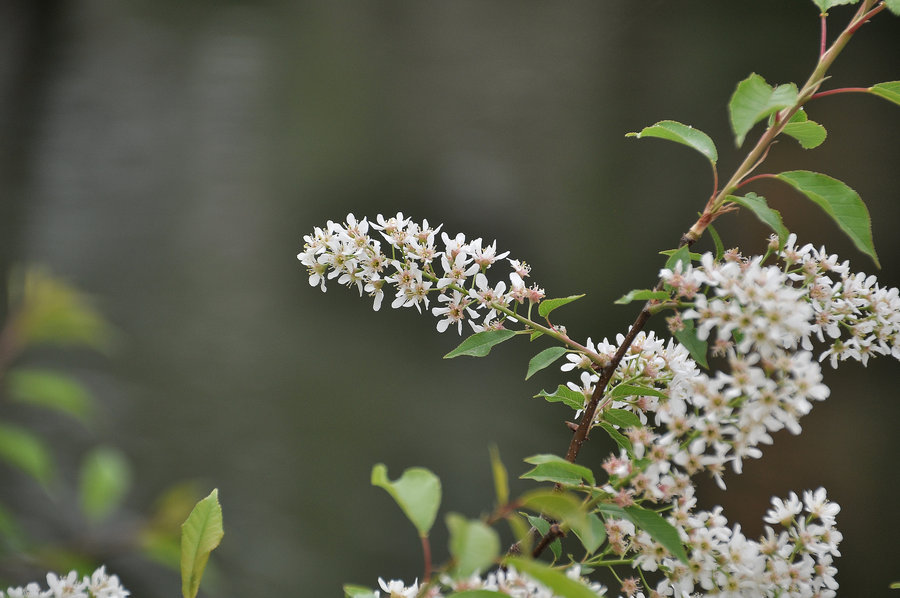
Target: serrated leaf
[564,394]
[598,534]
[50,389]
[768,216]
[200,534]
[558,582]
[641,295]
[473,545]
[621,418]
[501,477]
[659,529]
[548,305]
[687,336]
[23,449]
[682,254]
[753,100]
[480,343]
[809,133]
[417,492]
[543,359]
[103,481]
[717,242]
[683,134]
[550,468]
[352,591]
[824,5]
[636,390]
[620,439]
[840,202]
[891,89]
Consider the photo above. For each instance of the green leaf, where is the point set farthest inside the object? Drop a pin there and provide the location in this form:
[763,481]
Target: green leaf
[558,582]
[352,591]
[544,359]
[680,133]
[753,100]
[501,477]
[567,509]
[890,90]
[539,523]
[621,418]
[824,5]
[687,336]
[550,468]
[619,438]
[894,585]
[771,218]
[417,492]
[809,133]
[717,242]
[598,534]
[49,389]
[682,254]
[535,335]
[480,343]
[840,202]
[659,529]
[893,6]
[564,394]
[477,594]
[23,449]
[105,477]
[473,545]
[635,390]
[641,295]
[200,534]
[548,305]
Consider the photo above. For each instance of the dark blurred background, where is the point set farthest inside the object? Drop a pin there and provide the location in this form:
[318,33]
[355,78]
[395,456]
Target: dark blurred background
[167,157]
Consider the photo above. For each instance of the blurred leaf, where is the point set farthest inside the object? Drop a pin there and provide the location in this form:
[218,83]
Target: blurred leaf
[201,533]
[352,591]
[473,545]
[501,477]
[680,133]
[21,448]
[417,492]
[567,509]
[544,359]
[641,295]
[840,202]
[891,89]
[10,531]
[477,594]
[636,390]
[104,480]
[753,100]
[550,468]
[558,582]
[47,388]
[548,305]
[893,6]
[824,5]
[771,218]
[687,336]
[480,343]
[564,394]
[594,540]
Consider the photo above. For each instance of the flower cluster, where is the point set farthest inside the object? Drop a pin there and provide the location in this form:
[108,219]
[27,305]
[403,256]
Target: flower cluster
[98,585]
[417,269]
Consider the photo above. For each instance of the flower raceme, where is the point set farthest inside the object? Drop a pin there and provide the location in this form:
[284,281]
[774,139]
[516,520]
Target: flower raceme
[98,585]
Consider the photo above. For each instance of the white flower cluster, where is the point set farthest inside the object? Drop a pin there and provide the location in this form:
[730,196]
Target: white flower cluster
[417,269]
[507,581]
[98,585]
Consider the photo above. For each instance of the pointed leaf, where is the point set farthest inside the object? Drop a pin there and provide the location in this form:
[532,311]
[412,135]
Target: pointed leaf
[104,478]
[548,305]
[840,202]
[809,133]
[680,133]
[824,5]
[50,389]
[635,390]
[480,343]
[659,529]
[200,534]
[597,534]
[621,418]
[352,591]
[558,582]
[687,336]
[641,295]
[890,90]
[771,218]
[564,394]
[417,492]
[753,100]
[544,359]
[551,468]
[619,438]
[565,508]
[717,242]
[682,254]
[23,449]
[501,477]
[473,545]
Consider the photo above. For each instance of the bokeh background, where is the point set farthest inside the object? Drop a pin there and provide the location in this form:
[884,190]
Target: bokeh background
[167,157]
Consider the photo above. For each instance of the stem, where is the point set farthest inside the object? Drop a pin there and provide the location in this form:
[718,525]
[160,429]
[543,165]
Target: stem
[756,177]
[824,34]
[832,92]
[426,554]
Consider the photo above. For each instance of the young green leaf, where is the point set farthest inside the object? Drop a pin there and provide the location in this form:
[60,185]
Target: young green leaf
[539,523]
[824,5]
[352,591]
[417,492]
[889,90]
[544,359]
[104,478]
[23,449]
[687,336]
[840,202]
[682,254]
[659,529]
[200,534]
[768,216]
[641,295]
[548,305]
[621,418]
[480,343]
[893,6]
[717,241]
[564,394]
[753,100]
[635,390]
[619,438]
[680,133]
[550,468]
[501,477]
[473,545]
[559,583]
[809,133]
[49,389]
